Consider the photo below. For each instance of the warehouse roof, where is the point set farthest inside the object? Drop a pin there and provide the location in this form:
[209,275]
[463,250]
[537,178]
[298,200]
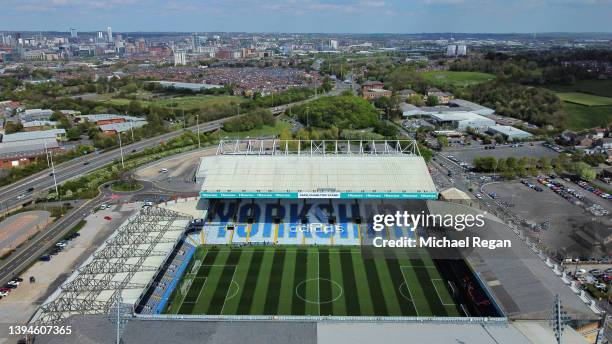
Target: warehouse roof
[508,130]
[107,116]
[24,149]
[459,116]
[121,127]
[187,85]
[482,110]
[307,173]
[41,123]
[33,135]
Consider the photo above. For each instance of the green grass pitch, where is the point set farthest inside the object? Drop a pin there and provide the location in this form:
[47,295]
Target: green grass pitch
[313,280]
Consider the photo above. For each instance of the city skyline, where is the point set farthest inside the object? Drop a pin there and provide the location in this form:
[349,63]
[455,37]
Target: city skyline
[333,16]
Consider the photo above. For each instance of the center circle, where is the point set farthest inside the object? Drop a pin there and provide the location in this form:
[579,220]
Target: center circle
[233,290]
[315,283]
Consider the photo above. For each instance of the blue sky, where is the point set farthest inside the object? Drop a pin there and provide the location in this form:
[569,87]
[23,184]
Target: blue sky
[355,16]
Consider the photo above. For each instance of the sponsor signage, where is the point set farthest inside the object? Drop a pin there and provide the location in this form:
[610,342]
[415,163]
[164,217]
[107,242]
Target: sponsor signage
[325,195]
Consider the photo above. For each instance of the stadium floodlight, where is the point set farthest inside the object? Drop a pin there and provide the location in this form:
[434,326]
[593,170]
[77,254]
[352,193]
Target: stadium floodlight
[558,319]
[119,314]
[317,147]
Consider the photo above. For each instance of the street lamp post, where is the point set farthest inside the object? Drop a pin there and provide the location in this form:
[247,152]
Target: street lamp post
[121,150]
[53,172]
[198,129]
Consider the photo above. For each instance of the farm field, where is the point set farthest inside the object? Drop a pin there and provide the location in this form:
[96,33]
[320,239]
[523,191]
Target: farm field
[584,99]
[339,281]
[456,78]
[596,87]
[583,117]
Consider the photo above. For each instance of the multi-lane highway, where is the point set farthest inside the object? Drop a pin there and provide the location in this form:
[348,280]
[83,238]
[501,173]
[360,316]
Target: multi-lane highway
[24,190]
[31,250]
[17,193]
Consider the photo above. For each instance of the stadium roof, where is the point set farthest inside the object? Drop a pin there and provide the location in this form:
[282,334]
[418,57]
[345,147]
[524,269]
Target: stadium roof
[125,263]
[312,174]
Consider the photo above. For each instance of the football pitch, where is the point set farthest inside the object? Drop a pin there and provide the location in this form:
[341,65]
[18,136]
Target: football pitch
[313,280]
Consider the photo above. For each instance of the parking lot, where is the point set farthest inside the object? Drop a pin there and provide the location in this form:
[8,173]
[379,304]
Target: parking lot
[558,217]
[20,304]
[468,153]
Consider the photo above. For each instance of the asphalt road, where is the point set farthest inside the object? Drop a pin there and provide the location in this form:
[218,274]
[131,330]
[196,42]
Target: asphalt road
[33,249]
[17,193]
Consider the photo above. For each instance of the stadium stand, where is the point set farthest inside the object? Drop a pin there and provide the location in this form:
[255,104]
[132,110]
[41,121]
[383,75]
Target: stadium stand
[296,222]
[167,280]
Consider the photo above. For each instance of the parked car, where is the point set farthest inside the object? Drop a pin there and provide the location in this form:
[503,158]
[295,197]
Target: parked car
[596,272]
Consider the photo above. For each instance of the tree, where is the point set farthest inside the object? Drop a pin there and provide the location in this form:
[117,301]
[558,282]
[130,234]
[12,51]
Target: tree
[485,164]
[12,127]
[134,107]
[583,169]
[442,141]
[327,84]
[73,134]
[344,112]
[415,100]
[432,100]
[545,165]
[426,153]
[521,167]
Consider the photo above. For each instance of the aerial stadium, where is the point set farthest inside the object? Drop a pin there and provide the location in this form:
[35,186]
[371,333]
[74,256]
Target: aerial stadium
[280,229]
[283,232]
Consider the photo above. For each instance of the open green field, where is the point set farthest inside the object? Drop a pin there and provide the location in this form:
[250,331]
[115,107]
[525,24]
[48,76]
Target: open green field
[456,78]
[311,280]
[596,87]
[181,103]
[266,130]
[583,117]
[584,99]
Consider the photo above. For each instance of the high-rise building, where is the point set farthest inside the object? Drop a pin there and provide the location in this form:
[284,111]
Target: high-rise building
[73,33]
[180,58]
[461,50]
[195,42]
[109,33]
[333,44]
[100,35]
[141,45]
[451,50]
